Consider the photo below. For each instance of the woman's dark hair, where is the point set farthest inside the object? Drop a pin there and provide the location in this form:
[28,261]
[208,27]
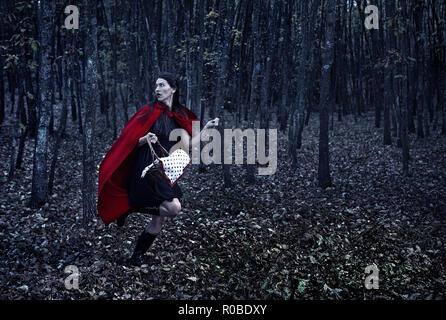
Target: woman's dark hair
[161,126]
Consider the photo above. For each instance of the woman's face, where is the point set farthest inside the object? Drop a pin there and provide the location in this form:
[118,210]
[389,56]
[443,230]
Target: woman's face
[164,92]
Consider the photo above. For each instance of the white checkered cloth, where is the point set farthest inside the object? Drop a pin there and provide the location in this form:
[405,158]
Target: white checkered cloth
[173,166]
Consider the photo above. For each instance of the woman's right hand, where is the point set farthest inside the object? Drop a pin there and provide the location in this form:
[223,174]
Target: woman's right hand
[148,138]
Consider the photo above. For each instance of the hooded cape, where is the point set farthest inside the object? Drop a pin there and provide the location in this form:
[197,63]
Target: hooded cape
[115,168]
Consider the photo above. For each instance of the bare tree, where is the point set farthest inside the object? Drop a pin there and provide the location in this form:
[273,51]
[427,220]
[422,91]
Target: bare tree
[324,178]
[39,189]
[88,161]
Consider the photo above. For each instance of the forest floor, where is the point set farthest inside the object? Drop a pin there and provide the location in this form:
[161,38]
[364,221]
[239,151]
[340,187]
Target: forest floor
[280,238]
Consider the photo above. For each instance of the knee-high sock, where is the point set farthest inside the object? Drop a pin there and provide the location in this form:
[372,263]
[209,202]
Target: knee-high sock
[144,242]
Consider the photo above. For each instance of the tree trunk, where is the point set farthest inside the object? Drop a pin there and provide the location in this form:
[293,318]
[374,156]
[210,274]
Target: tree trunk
[23,125]
[405,108]
[284,47]
[254,79]
[388,72]
[226,12]
[31,99]
[418,19]
[2,77]
[62,125]
[324,179]
[303,83]
[2,92]
[189,72]
[39,188]
[14,132]
[88,143]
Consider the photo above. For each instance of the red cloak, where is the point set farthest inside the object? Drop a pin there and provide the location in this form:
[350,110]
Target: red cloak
[115,168]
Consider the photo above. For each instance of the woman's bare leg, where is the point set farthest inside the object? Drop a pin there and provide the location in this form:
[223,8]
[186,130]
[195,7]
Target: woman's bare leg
[170,208]
[154,227]
[145,240]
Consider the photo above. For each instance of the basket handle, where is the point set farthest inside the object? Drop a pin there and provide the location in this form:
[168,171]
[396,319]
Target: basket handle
[154,155]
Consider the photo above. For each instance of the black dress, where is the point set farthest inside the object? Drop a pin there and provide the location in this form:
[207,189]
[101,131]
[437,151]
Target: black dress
[146,192]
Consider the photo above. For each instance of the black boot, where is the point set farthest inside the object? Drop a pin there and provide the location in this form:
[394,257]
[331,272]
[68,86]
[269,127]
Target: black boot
[144,242]
[121,220]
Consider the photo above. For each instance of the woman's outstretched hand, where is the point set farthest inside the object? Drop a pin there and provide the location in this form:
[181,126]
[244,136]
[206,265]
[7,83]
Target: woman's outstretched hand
[212,123]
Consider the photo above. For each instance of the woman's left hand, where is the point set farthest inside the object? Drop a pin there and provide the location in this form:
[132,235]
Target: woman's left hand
[212,123]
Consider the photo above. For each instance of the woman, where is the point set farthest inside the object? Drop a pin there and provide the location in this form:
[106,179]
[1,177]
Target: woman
[121,188]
